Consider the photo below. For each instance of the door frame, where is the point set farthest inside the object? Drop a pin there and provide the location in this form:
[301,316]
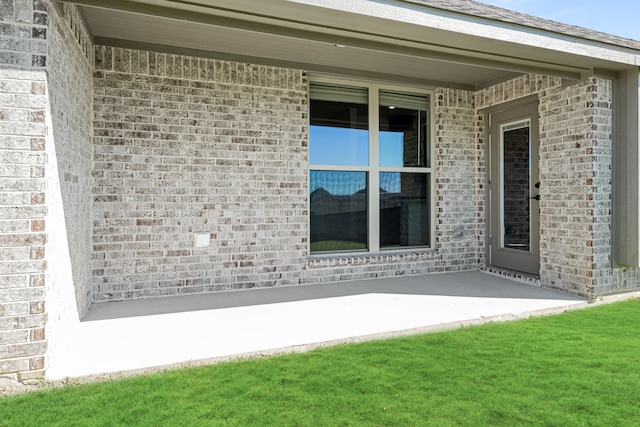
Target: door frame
[520,104]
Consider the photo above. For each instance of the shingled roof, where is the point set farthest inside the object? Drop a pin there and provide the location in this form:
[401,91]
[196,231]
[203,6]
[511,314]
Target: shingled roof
[474,8]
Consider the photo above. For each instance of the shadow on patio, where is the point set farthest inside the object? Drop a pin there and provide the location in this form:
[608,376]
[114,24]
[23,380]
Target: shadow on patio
[463,284]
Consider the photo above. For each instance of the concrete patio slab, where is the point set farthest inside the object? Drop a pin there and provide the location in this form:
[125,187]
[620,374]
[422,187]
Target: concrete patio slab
[193,329]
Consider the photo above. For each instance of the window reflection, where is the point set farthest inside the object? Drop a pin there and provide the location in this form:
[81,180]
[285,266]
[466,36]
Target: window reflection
[391,149]
[339,134]
[404,209]
[516,183]
[403,141]
[338,146]
[343,203]
[338,211]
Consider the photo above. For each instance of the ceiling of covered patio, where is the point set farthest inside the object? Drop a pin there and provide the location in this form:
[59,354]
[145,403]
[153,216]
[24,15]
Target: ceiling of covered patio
[388,40]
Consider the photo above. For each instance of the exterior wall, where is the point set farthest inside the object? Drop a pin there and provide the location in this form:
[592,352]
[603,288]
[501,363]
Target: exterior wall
[69,152]
[607,278]
[575,155]
[576,125]
[70,63]
[23,230]
[45,181]
[459,217]
[185,145]
[460,171]
[622,279]
[108,169]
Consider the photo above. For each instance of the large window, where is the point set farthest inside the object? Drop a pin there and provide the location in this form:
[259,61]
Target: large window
[370,168]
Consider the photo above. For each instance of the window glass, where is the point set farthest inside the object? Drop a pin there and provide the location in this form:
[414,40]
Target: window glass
[338,210]
[403,130]
[357,205]
[334,146]
[516,209]
[404,209]
[339,132]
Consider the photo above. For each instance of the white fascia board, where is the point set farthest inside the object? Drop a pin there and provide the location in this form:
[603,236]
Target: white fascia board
[410,13]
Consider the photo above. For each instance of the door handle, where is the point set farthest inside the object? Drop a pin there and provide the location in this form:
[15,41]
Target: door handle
[537,197]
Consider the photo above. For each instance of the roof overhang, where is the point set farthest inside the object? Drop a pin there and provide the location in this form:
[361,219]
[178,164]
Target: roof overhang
[384,39]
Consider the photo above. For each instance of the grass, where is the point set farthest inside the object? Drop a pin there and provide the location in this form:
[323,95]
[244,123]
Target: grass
[336,245]
[576,369]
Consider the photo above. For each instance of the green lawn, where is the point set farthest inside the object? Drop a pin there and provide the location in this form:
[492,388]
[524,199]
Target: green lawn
[579,368]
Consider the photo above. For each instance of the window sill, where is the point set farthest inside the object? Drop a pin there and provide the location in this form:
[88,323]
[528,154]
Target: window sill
[350,258]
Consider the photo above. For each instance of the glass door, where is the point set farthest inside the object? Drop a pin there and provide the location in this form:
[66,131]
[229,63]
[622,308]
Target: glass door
[514,187]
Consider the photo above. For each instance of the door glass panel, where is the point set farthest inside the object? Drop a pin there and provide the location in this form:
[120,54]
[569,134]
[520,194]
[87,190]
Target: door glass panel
[338,211]
[516,173]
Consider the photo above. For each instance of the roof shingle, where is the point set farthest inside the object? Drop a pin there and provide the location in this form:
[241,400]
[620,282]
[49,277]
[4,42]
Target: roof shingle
[474,8]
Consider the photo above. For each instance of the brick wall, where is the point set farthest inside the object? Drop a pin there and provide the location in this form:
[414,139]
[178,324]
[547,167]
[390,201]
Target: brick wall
[185,145]
[575,159]
[22,220]
[159,124]
[23,26]
[69,165]
[70,93]
[600,137]
[460,173]
[458,226]
[575,172]
[45,180]
[111,183]
[23,237]
[512,91]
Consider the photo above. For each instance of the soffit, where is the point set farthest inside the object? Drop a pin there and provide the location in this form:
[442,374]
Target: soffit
[379,39]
